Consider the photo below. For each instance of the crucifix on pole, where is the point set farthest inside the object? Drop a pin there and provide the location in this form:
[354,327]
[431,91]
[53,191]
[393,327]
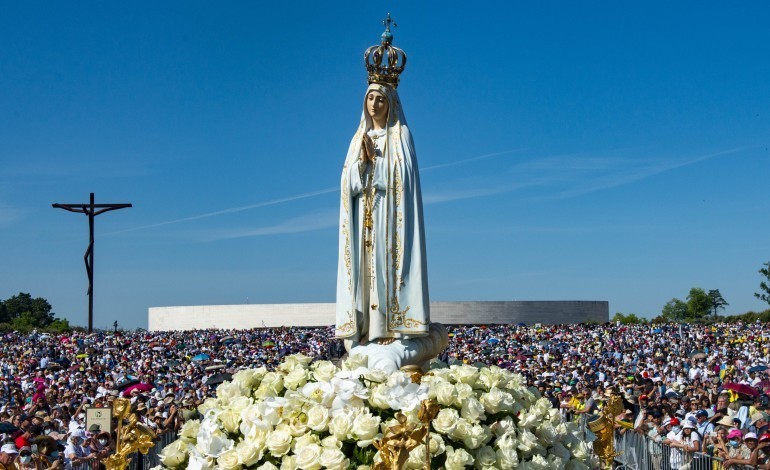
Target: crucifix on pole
[91,210]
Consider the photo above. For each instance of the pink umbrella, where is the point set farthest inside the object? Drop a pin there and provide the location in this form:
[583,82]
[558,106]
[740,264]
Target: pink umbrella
[741,388]
[140,387]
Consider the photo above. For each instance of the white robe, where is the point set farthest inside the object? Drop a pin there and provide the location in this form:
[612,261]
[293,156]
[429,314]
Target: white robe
[395,303]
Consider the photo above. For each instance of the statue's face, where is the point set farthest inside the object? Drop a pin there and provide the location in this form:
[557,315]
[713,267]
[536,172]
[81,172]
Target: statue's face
[377,105]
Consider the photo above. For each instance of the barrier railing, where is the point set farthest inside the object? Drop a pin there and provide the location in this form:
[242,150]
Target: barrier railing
[639,452]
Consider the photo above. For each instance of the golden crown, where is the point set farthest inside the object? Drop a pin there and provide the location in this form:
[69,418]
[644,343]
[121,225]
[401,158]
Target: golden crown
[384,63]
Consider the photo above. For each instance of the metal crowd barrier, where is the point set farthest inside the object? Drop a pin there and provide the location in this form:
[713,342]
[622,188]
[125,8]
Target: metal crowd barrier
[138,461]
[639,452]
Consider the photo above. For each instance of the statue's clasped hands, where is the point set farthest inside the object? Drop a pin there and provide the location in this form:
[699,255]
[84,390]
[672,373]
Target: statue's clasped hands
[368,153]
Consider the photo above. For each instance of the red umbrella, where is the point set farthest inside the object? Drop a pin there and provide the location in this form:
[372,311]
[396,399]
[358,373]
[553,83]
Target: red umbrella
[140,387]
[741,388]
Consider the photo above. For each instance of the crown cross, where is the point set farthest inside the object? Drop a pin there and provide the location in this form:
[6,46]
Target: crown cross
[384,63]
[386,22]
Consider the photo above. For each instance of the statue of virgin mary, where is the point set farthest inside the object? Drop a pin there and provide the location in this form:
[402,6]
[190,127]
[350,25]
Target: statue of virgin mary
[382,277]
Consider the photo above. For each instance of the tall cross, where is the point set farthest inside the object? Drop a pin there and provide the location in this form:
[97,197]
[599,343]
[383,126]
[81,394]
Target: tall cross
[91,210]
[387,21]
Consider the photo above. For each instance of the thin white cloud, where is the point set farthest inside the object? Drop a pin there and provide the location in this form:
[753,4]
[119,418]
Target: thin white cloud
[305,223]
[595,174]
[468,160]
[233,210]
[293,198]
[568,176]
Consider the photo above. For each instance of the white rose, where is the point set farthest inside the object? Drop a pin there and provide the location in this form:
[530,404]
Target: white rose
[555,417]
[472,410]
[249,378]
[208,404]
[477,436]
[461,430]
[189,432]
[279,442]
[376,375]
[504,426]
[507,458]
[308,457]
[305,440]
[331,442]
[379,398]
[238,404]
[527,441]
[248,453]
[464,391]
[547,434]
[318,418]
[341,425]
[528,420]
[496,401]
[230,420]
[323,371]
[267,466]
[229,460]
[272,383]
[295,361]
[437,446]
[486,458]
[539,462]
[506,442]
[289,462]
[491,377]
[295,379]
[446,393]
[416,458]
[354,361]
[333,459]
[457,459]
[365,427]
[227,391]
[174,454]
[446,420]
[465,374]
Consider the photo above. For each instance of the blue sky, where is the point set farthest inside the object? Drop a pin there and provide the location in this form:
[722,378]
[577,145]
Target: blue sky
[569,150]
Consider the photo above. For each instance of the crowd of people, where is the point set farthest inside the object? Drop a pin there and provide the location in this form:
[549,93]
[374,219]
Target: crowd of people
[673,379]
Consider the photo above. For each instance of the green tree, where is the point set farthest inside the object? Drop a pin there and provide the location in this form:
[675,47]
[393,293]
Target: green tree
[717,302]
[698,304]
[630,319]
[675,310]
[764,285]
[38,310]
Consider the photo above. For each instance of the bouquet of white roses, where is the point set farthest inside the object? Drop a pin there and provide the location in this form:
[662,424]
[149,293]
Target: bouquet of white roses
[312,415]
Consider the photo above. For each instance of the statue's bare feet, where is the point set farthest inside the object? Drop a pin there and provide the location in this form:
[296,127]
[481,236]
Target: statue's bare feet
[385,341]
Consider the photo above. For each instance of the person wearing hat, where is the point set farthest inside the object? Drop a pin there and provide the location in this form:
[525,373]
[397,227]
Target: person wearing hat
[758,423]
[75,453]
[763,456]
[684,444]
[704,427]
[733,448]
[748,454]
[48,453]
[8,455]
[26,460]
